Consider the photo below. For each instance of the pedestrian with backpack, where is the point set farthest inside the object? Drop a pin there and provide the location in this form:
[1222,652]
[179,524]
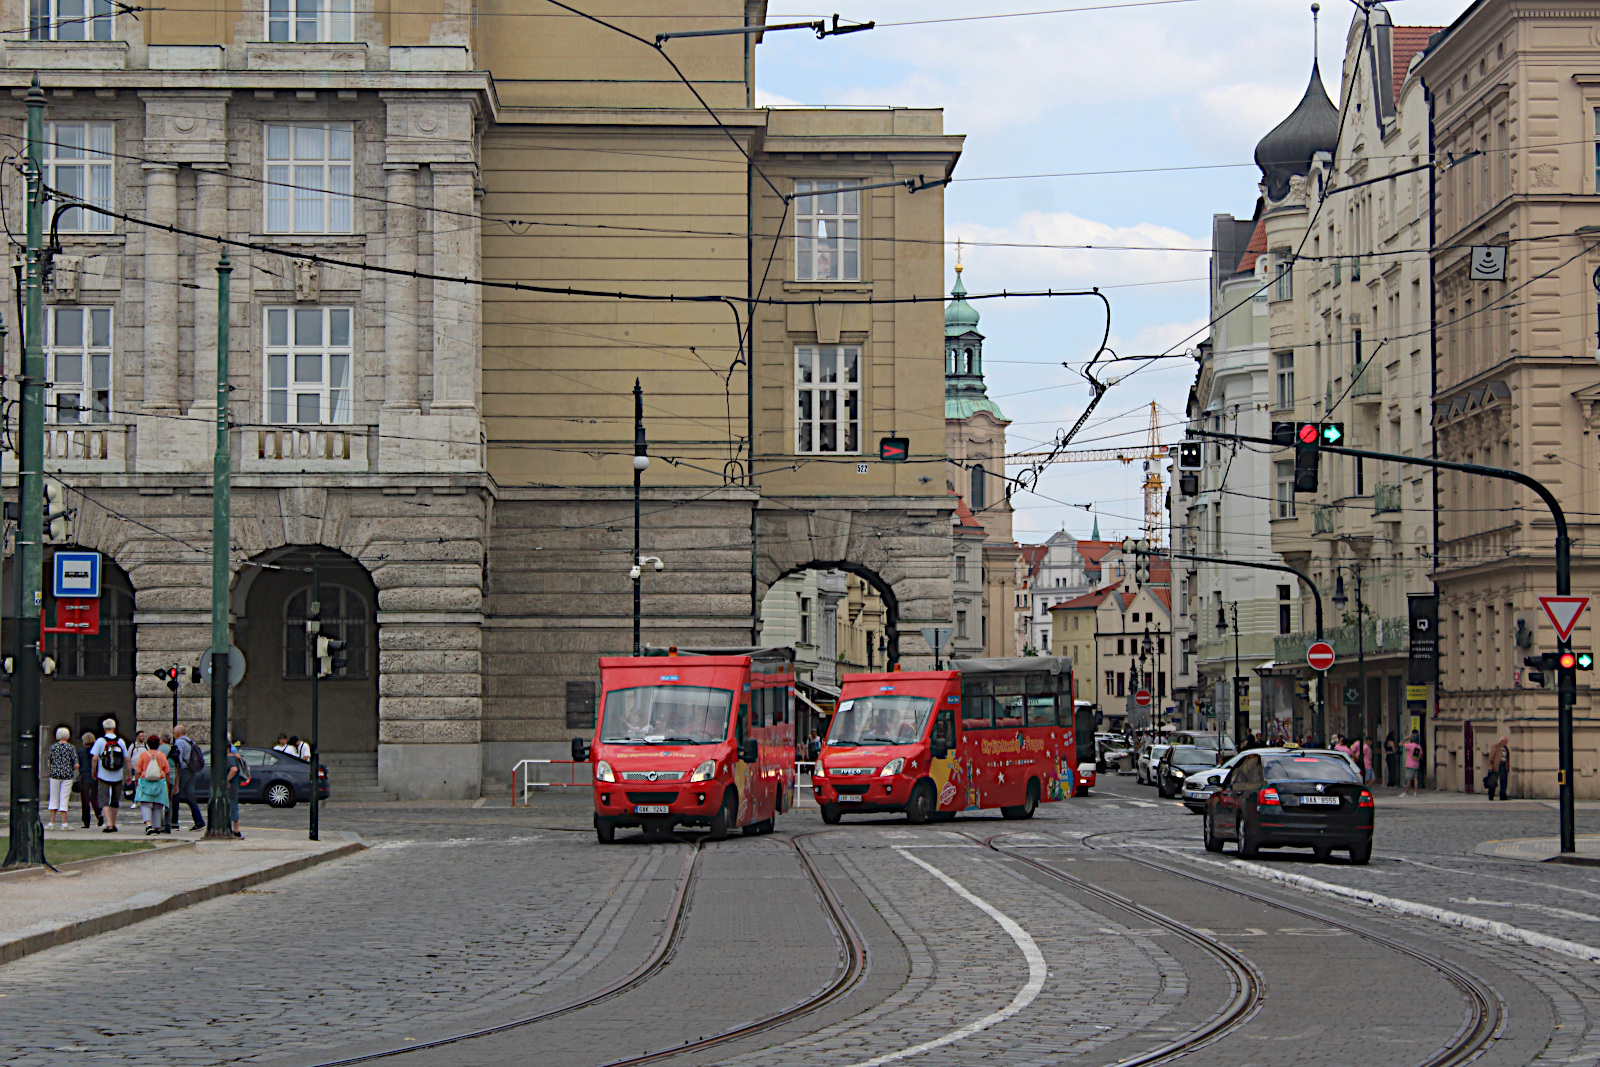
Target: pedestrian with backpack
[150,769]
[111,772]
[189,761]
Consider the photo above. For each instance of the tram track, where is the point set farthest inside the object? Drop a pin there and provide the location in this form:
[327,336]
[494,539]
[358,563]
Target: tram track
[854,967]
[1486,1010]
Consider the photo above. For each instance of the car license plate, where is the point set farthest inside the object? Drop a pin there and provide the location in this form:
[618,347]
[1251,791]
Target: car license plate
[650,809]
[1330,801]
[843,799]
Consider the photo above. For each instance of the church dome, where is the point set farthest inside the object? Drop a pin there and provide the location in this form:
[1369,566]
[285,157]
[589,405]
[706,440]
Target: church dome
[1312,127]
[959,317]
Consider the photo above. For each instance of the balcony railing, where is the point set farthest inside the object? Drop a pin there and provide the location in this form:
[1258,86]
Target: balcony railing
[1368,384]
[1385,497]
[304,448]
[1383,635]
[1322,521]
[86,449]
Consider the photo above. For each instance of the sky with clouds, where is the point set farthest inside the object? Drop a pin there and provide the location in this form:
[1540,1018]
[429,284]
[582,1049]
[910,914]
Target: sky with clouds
[1191,84]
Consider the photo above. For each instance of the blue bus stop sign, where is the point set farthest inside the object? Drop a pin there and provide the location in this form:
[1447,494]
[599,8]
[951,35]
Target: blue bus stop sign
[75,574]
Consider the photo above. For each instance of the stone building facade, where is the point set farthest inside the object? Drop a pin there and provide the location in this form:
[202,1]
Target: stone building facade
[457,455]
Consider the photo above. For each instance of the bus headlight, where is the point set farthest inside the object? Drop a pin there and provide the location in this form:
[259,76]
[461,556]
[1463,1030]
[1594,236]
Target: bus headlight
[704,772]
[602,772]
[892,768]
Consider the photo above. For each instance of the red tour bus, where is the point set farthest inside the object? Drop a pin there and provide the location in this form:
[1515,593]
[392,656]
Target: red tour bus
[693,737]
[994,733]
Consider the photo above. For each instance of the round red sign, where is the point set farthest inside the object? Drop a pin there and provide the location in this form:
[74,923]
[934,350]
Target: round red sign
[1320,656]
[1142,698]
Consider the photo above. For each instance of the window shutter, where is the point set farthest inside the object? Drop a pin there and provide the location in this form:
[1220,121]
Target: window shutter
[580,705]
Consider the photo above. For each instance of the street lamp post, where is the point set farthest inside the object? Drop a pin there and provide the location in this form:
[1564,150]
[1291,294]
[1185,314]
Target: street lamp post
[1340,600]
[1240,716]
[641,461]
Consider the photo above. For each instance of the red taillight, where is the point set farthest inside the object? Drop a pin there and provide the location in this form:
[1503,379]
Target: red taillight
[322,772]
[1268,796]
[1365,801]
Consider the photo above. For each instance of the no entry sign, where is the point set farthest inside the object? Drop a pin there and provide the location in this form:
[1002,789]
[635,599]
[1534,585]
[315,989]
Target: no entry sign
[1320,656]
[1142,698]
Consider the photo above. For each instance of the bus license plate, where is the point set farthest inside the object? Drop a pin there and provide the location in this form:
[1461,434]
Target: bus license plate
[1330,801]
[843,799]
[650,809]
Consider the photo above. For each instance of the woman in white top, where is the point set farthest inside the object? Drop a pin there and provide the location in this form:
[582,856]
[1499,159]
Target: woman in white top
[63,772]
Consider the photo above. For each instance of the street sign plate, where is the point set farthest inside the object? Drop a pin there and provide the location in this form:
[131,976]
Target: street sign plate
[1563,612]
[1320,656]
[1142,698]
[894,449]
[74,615]
[937,637]
[75,574]
[235,666]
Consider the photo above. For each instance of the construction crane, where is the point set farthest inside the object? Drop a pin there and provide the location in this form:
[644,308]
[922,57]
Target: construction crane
[1150,452]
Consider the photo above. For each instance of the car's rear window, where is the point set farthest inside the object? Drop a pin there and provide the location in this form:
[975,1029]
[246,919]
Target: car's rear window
[1189,755]
[1311,767]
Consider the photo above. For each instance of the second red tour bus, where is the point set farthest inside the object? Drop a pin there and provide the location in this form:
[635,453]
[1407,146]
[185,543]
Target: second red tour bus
[994,733]
[693,737]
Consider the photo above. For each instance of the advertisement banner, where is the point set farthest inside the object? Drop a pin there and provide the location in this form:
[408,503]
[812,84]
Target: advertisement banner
[1422,667]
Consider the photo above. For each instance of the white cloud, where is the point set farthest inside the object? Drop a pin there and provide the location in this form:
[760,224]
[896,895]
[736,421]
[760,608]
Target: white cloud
[1065,268]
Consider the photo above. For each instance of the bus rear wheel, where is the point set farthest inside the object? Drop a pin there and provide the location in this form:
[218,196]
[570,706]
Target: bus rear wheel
[830,814]
[1025,809]
[919,808]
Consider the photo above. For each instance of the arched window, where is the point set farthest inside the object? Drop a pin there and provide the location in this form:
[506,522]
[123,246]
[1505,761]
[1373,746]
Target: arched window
[952,362]
[977,488]
[344,618]
[971,367]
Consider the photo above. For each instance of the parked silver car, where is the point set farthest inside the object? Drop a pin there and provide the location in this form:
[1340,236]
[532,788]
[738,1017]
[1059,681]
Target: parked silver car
[1149,756]
[1200,786]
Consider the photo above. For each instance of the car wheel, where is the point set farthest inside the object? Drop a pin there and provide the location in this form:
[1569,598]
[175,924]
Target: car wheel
[724,820]
[830,814]
[604,832]
[1161,788]
[1026,808]
[768,825]
[1248,845]
[1213,842]
[920,807]
[1322,853]
[1361,854]
[279,795]
[1080,791]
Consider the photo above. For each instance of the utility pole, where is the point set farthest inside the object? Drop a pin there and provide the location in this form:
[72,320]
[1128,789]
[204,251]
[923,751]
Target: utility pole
[313,632]
[641,461]
[26,842]
[218,823]
[1241,717]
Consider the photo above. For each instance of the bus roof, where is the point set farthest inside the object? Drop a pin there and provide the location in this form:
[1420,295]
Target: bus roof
[1053,665]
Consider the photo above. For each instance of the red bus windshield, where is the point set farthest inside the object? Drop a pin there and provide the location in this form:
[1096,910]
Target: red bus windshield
[880,720]
[666,715]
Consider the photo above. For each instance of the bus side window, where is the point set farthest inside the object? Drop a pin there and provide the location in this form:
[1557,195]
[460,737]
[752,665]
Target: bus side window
[1041,695]
[784,706]
[977,700]
[763,708]
[1008,702]
[740,729]
[944,733]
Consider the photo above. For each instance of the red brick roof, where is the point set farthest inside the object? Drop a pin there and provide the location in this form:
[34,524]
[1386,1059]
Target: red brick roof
[1032,557]
[1257,245]
[1161,594]
[1407,41]
[1091,551]
[1088,600]
[965,520]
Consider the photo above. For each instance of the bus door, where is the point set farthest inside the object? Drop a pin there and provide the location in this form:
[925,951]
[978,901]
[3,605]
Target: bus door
[745,775]
[1045,743]
[1008,743]
[977,721]
[944,765]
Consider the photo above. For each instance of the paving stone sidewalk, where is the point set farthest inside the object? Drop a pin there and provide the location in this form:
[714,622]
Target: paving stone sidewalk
[43,909]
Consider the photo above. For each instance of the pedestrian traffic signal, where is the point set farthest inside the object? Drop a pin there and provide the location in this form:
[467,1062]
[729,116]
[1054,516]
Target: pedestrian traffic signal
[331,657]
[169,676]
[1543,670]
[57,516]
[1190,456]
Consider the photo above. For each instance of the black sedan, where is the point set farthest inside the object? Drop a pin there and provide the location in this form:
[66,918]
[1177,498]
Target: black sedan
[277,779]
[1292,798]
[1178,763]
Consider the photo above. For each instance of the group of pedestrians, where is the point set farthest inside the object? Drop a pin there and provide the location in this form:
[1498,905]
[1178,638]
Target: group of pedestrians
[156,773]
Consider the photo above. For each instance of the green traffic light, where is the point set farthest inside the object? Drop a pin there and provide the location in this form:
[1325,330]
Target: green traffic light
[1585,661]
[1332,433]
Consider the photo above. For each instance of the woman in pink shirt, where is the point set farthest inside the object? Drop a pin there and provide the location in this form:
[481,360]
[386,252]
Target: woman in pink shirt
[1411,783]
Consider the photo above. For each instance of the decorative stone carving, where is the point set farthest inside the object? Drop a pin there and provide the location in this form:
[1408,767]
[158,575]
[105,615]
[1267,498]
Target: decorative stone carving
[66,273]
[307,280]
[1543,175]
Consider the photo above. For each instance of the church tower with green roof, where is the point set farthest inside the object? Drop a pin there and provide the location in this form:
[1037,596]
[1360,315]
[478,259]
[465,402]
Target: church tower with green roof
[964,391]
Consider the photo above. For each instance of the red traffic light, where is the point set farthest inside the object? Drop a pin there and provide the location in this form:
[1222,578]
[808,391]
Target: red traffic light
[1308,433]
[1568,661]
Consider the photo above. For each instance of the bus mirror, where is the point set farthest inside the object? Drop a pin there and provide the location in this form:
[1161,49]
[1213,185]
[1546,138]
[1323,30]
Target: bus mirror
[580,750]
[748,750]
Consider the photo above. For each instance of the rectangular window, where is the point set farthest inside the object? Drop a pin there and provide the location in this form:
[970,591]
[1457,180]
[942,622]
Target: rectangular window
[1285,382]
[77,348]
[1111,682]
[580,705]
[309,178]
[69,20]
[961,568]
[961,624]
[77,164]
[308,365]
[1285,611]
[308,21]
[805,620]
[1597,149]
[827,232]
[1283,280]
[1122,684]
[1283,480]
[1119,647]
[827,398]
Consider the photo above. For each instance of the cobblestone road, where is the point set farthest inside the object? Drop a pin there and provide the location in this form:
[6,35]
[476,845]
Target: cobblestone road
[462,917]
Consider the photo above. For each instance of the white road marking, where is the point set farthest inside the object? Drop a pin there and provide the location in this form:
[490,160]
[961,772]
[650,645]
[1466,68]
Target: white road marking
[480,802]
[1559,913]
[1144,803]
[1025,996]
[1507,878]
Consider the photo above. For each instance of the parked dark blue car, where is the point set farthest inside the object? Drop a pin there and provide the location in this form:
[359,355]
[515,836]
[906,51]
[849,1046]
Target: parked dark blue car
[276,778]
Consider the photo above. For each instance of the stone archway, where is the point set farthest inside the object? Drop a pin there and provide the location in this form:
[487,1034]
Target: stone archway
[902,548]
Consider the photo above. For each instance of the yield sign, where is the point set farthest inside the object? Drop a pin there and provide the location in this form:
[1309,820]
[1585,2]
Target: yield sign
[1564,612]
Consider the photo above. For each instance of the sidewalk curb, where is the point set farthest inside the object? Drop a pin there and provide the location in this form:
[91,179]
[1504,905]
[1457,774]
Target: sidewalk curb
[78,865]
[120,916]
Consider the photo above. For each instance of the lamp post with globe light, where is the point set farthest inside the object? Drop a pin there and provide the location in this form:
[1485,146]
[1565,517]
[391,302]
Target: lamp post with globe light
[641,462]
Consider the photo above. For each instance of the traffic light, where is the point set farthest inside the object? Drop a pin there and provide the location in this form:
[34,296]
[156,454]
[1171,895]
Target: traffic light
[1585,661]
[1190,456]
[331,656]
[1333,433]
[57,516]
[1283,434]
[169,676]
[1567,661]
[1306,455]
[1543,669]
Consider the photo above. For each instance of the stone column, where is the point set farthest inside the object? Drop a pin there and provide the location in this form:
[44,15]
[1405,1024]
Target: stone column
[400,293]
[457,370]
[211,216]
[161,291]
